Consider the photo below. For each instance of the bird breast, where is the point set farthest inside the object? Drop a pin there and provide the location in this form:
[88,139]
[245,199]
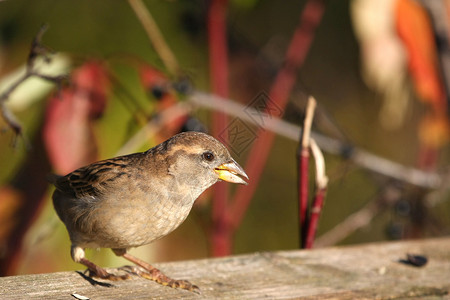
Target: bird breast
[140,221]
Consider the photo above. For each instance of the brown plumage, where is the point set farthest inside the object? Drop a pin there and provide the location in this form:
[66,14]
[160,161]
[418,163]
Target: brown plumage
[132,200]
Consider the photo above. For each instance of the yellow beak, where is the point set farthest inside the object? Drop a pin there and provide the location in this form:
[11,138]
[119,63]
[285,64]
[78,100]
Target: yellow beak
[231,172]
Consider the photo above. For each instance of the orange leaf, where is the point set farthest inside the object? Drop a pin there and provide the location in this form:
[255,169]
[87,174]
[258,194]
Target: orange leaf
[415,29]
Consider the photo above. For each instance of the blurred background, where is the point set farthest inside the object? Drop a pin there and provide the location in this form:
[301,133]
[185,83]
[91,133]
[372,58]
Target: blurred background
[115,77]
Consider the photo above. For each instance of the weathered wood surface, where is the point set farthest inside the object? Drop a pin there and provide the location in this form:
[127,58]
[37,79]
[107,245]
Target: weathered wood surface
[357,272]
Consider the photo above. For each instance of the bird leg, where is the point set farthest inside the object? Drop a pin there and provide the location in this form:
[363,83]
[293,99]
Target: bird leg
[154,274]
[94,270]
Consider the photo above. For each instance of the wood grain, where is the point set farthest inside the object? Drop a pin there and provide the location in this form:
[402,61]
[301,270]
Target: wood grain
[371,271]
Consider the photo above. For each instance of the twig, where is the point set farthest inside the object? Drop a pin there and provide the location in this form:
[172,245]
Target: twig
[218,61]
[7,115]
[310,108]
[12,123]
[360,157]
[155,36]
[303,170]
[321,187]
[319,161]
[36,50]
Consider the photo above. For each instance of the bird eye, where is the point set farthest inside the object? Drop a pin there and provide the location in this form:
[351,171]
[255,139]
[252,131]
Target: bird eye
[208,156]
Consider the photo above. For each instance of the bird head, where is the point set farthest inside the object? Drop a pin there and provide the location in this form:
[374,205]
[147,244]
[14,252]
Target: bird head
[200,160]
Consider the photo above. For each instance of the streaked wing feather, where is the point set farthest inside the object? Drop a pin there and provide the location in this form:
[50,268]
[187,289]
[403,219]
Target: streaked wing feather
[92,180]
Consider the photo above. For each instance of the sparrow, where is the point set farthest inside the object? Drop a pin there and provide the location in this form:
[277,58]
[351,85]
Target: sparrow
[133,200]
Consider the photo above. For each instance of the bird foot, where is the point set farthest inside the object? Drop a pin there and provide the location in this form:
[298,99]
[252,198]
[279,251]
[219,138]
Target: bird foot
[98,272]
[103,274]
[159,277]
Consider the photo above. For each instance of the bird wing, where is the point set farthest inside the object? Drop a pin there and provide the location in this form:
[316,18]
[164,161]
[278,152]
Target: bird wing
[92,180]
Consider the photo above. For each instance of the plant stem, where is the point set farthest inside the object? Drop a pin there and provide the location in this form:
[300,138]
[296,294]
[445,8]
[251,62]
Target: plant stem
[221,243]
[303,172]
[279,94]
[155,36]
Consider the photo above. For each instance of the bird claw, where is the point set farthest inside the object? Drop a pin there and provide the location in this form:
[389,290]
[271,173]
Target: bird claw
[103,274]
[185,285]
[129,269]
[135,270]
[159,277]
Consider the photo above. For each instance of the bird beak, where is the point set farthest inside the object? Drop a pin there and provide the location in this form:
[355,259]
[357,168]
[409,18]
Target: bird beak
[231,172]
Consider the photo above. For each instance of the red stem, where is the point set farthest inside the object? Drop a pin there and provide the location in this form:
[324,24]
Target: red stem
[279,93]
[303,194]
[218,61]
[314,218]
[31,185]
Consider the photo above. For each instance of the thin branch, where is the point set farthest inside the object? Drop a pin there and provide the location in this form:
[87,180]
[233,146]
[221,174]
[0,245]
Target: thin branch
[303,171]
[310,108]
[155,36]
[12,123]
[5,95]
[362,158]
[36,50]
[321,188]
[319,161]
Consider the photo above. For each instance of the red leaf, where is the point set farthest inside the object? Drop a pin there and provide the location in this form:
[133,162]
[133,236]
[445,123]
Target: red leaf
[68,133]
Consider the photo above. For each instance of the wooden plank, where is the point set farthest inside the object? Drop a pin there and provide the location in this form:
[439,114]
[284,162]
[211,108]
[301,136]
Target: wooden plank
[368,271]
